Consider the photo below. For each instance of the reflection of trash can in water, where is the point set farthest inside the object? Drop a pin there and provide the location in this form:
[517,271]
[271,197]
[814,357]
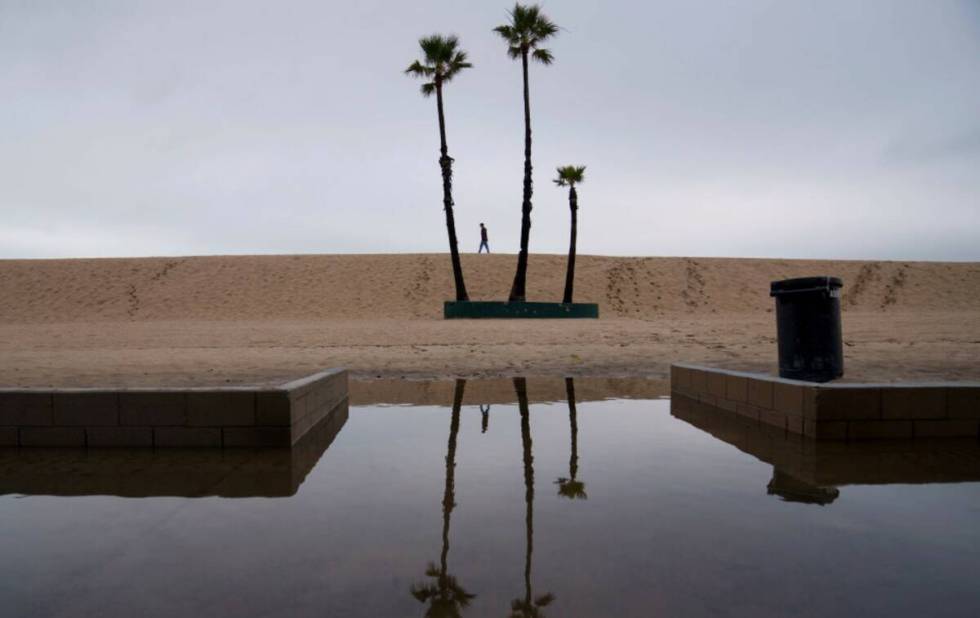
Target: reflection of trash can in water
[808,327]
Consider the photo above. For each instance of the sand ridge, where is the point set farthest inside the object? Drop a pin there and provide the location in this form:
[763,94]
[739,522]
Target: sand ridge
[298,287]
[231,319]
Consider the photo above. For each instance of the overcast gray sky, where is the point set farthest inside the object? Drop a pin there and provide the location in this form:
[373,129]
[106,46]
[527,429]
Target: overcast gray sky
[832,129]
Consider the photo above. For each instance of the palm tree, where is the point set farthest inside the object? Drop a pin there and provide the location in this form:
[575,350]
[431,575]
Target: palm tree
[443,61]
[527,607]
[570,175]
[571,487]
[445,596]
[527,30]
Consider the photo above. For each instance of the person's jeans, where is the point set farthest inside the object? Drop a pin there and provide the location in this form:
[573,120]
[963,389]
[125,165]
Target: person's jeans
[483,245]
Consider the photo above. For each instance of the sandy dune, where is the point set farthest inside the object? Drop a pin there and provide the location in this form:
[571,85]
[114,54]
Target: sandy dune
[229,319]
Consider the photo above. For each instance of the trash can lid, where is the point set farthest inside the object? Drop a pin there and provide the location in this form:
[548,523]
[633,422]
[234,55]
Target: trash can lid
[804,284]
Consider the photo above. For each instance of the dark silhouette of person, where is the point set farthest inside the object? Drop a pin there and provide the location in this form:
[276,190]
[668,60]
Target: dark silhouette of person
[484,243]
[485,413]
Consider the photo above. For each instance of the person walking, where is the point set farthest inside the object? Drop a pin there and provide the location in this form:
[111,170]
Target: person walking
[484,244]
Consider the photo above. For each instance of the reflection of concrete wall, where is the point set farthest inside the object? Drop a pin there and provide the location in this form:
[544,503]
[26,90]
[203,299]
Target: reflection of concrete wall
[194,473]
[501,390]
[792,489]
[834,463]
[169,417]
[837,411]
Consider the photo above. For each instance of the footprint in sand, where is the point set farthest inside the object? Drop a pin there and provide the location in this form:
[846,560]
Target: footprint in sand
[693,292]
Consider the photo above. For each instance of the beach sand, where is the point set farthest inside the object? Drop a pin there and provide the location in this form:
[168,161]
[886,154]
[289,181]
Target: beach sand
[235,319]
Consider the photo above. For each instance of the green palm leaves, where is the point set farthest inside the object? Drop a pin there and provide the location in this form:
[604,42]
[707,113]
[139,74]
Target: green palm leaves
[527,30]
[443,60]
[570,175]
[523,608]
[444,596]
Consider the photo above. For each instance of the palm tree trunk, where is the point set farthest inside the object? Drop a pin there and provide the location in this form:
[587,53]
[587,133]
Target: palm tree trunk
[446,164]
[449,496]
[520,386]
[570,271]
[573,421]
[518,292]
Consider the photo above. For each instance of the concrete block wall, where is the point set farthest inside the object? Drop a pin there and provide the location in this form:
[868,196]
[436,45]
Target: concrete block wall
[832,463]
[836,411]
[188,473]
[170,417]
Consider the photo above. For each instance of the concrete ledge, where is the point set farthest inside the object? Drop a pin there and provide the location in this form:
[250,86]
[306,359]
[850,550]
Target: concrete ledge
[188,473]
[170,417]
[495,309]
[806,470]
[829,411]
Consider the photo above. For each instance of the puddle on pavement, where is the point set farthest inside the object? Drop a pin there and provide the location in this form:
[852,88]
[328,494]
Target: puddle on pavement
[493,499]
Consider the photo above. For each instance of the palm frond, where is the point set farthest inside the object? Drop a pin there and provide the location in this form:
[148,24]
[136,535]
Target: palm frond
[520,608]
[417,69]
[570,175]
[456,64]
[543,56]
[544,600]
[543,28]
[572,489]
[506,32]
[524,16]
[527,29]
[423,592]
[445,596]
[439,49]
[442,60]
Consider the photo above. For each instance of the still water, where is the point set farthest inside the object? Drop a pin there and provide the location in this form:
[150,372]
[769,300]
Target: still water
[602,507]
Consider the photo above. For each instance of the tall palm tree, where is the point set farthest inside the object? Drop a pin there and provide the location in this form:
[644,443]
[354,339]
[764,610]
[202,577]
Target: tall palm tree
[570,175]
[443,60]
[527,30]
[571,487]
[445,596]
[528,606]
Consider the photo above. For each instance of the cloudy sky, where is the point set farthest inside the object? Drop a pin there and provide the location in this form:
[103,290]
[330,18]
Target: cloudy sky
[832,129]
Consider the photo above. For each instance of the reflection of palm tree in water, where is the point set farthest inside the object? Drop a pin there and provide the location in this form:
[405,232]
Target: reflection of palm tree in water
[485,421]
[526,607]
[445,596]
[572,488]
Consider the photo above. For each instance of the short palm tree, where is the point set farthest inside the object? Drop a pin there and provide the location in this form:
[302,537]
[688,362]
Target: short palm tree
[443,60]
[445,596]
[527,31]
[571,175]
[571,487]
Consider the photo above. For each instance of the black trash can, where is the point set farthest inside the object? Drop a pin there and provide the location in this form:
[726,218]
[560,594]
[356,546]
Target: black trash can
[808,327]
